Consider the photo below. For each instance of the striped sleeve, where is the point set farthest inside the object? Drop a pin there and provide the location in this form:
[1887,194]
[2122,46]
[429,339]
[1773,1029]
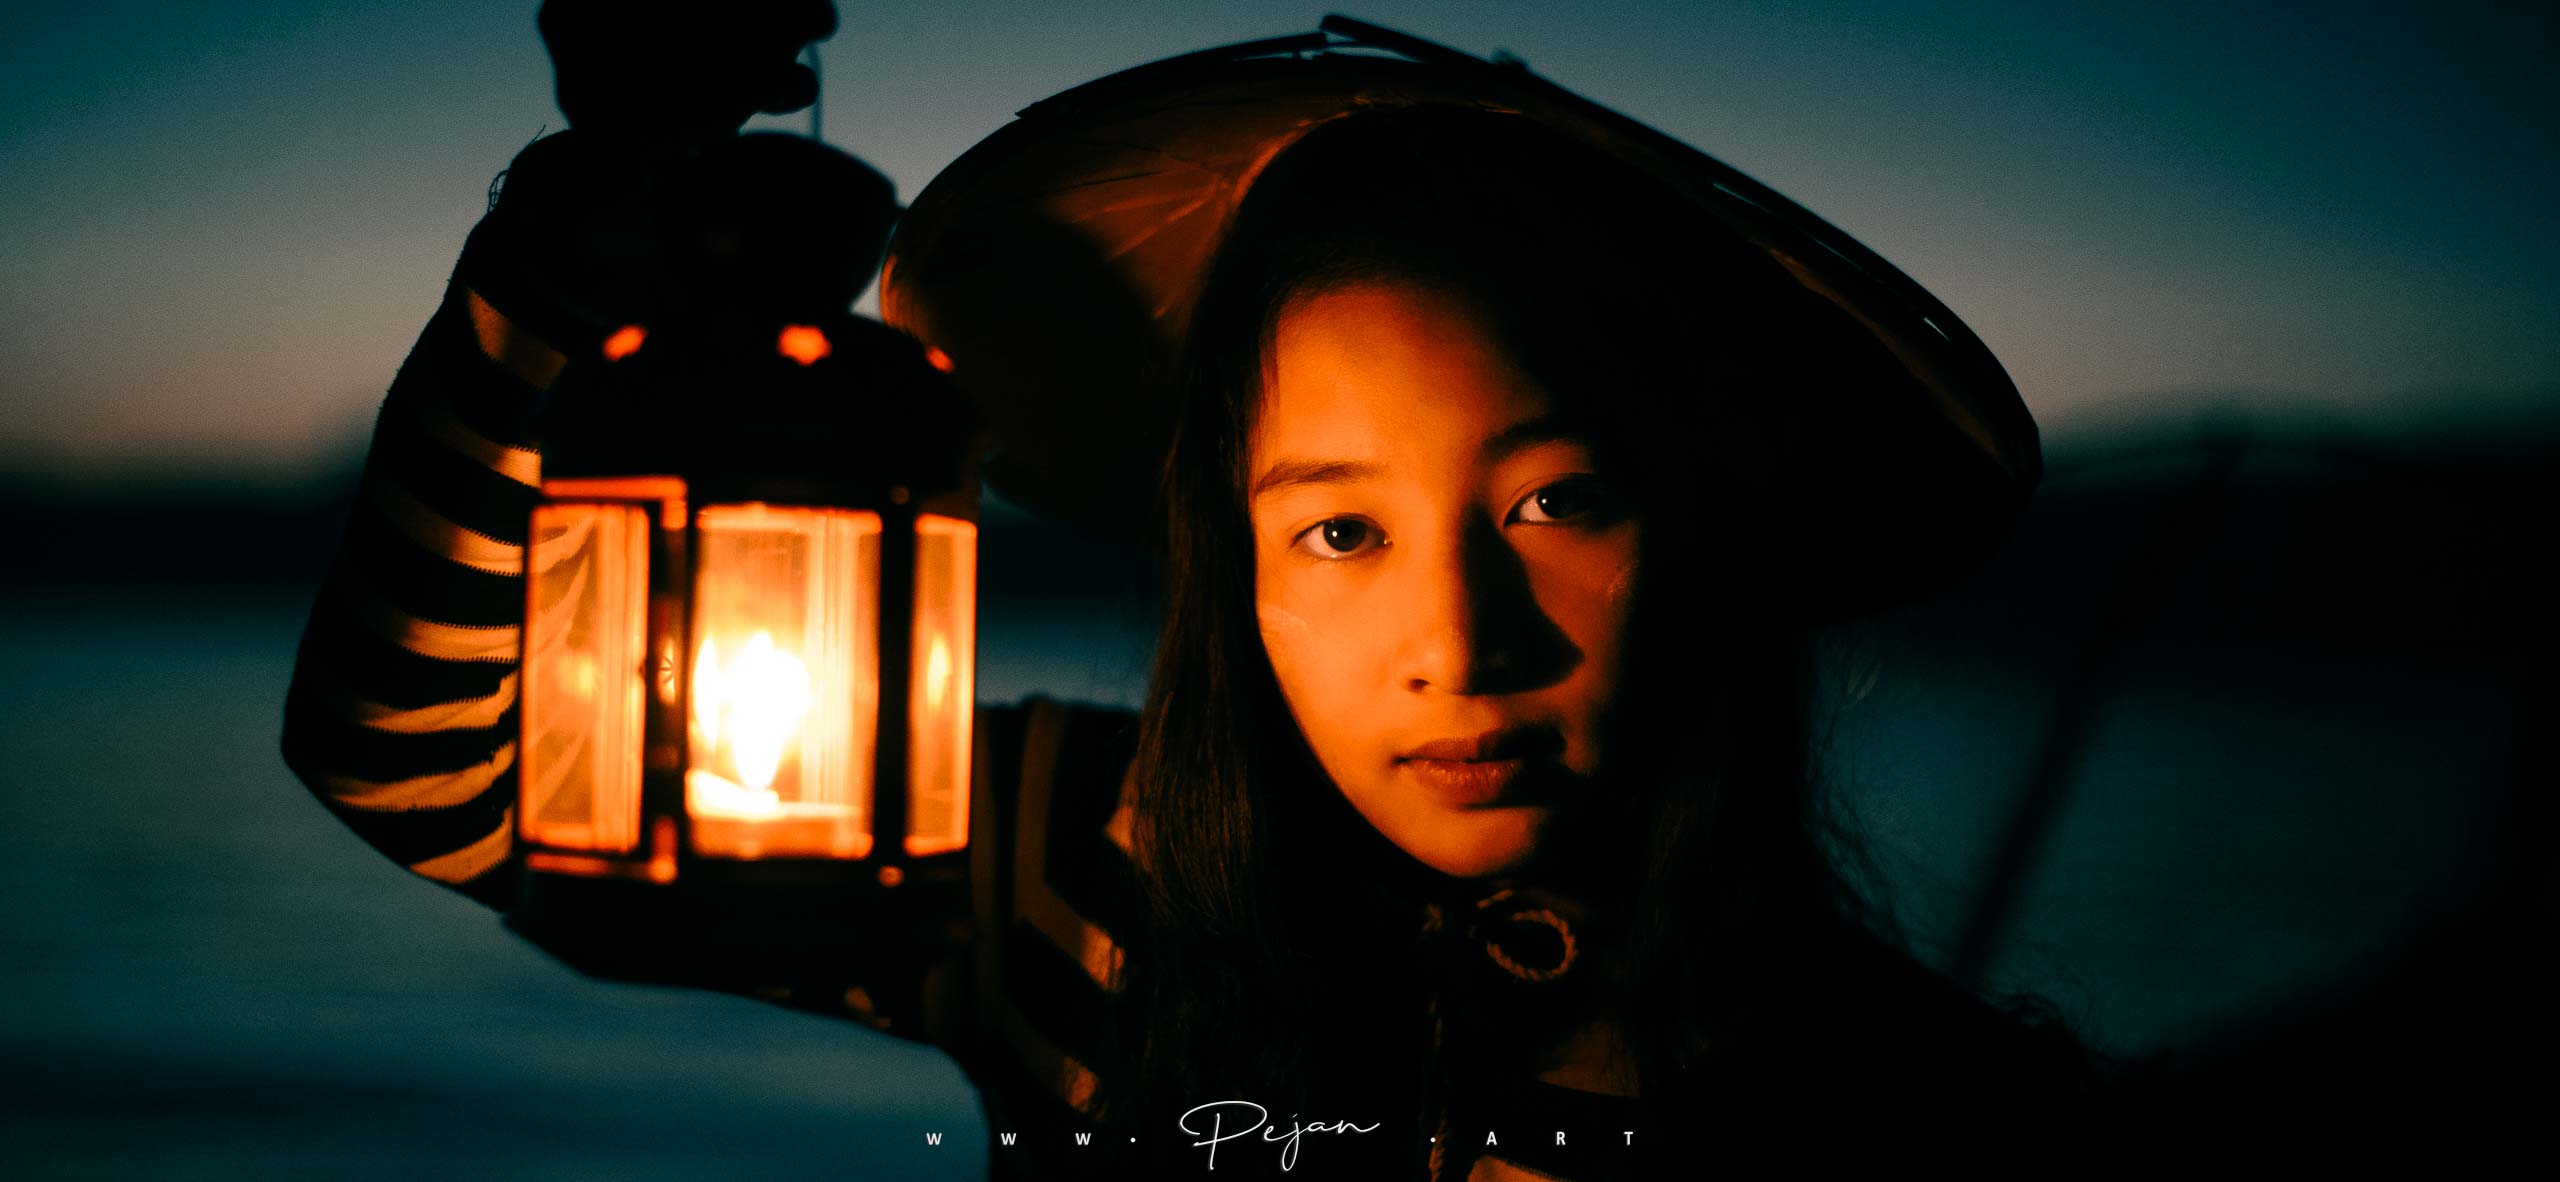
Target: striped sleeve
[401,716]
[1056,900]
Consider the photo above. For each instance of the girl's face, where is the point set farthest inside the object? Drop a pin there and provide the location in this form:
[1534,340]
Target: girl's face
[1442,572]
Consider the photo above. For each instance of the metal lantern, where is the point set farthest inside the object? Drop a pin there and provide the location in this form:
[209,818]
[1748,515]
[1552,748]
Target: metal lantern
[750,642]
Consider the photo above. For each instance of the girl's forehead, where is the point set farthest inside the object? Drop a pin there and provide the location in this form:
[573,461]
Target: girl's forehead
[1375,368]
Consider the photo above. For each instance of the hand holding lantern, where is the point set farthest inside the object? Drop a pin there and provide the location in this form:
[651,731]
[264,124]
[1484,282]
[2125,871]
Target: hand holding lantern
[676,71]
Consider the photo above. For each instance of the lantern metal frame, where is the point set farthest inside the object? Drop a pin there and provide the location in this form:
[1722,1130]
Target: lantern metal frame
[728,410]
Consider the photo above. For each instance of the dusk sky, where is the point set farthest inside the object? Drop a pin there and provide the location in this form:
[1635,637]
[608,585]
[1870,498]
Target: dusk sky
[227,221]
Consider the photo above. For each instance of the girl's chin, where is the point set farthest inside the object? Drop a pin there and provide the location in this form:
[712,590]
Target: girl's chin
[1474,843]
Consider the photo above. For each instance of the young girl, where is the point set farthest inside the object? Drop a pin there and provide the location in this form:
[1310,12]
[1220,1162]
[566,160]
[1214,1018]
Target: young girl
[1469,829]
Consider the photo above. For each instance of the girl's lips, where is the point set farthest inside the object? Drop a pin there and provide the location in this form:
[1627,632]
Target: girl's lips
[1507,743]
[1471,783]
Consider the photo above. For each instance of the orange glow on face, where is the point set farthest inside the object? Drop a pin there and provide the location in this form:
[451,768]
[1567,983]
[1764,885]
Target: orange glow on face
[624,342]
[937,359]
[803,344]
[1413,581]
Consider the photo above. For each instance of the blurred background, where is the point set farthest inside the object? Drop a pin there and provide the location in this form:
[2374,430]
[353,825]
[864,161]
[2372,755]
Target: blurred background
[2239,753]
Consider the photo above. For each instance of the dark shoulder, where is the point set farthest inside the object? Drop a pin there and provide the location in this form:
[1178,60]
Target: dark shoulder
[1931,1028]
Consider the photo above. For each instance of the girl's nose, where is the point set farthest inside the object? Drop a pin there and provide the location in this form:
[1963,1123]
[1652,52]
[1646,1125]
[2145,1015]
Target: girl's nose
[1472,624]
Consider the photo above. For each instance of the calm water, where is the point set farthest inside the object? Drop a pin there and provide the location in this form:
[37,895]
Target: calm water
[203,974]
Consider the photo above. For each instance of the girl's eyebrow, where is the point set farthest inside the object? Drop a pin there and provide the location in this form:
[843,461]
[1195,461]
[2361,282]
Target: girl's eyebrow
[1290,473]
[1528,433]
[1499,446]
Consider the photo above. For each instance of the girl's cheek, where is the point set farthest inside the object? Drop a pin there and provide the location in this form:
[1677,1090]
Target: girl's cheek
[1281,628]
[1295,645]
[1600,571]
[1612,564]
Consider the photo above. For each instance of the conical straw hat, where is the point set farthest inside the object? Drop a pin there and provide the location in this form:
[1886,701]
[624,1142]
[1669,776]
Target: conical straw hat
[1056,263]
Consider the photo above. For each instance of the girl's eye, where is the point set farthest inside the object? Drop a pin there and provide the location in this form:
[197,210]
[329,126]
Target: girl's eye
[1566,499]
[1338,537]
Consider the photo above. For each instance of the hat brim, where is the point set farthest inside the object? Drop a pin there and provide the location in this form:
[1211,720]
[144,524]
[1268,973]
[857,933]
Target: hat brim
[1056,264]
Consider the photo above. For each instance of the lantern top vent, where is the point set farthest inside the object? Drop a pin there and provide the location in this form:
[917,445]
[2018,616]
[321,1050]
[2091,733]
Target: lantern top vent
[832,410]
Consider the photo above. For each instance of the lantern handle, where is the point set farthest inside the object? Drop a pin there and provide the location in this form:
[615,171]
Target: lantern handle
[817,91]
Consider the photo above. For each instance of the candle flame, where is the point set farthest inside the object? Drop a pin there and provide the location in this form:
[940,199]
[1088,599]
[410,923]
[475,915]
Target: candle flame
[756,703]
[768,695]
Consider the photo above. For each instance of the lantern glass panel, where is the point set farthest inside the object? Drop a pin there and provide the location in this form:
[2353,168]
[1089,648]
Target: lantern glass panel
[942,686]
[583,678]
[784,681]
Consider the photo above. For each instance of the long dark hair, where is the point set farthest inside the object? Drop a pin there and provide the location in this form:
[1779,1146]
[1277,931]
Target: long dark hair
[1278,964]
